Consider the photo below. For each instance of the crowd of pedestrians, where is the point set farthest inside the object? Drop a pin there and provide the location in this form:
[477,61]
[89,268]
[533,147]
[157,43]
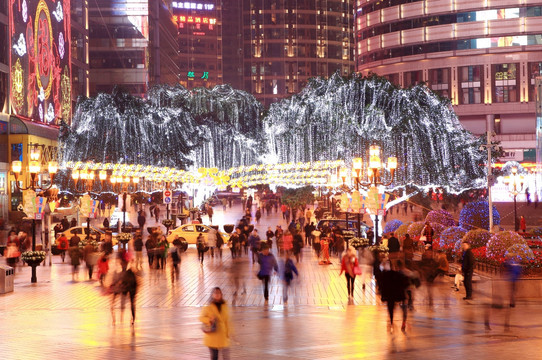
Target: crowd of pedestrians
[278,251]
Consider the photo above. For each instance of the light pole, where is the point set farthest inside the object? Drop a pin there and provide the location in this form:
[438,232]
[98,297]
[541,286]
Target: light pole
[374,172]
[88,178]
[34,168]
[123,183]
[515,182]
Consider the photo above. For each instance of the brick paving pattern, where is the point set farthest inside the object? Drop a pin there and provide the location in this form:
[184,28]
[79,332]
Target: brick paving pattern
[58,318]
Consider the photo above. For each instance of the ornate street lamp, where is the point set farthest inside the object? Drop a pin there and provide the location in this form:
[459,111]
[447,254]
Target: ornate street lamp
[122,183]
[515,183]
[374,173]
[34,169]
[87,177]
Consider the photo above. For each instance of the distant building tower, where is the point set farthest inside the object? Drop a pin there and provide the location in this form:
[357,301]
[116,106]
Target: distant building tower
[133,44]
[200,42]
[484,56]
[287,42]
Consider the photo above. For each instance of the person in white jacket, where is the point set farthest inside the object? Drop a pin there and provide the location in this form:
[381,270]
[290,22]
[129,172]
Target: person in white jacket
[211,241]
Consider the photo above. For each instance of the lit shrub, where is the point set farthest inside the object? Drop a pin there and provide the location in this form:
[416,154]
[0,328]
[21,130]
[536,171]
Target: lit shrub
[415,229]
[402,230]
[477,238]
[500,242]
[476,215]
[440,216]
[392,226]
[519,252]
[451,236]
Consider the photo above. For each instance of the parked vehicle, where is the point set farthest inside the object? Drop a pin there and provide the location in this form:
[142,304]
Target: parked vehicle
[341,223]
[190,232]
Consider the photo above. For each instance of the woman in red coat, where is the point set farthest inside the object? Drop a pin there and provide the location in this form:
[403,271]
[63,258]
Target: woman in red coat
[350,266]
[287,242]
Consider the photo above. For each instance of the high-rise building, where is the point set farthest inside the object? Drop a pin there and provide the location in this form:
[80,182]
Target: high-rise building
[200,42]
[43,69]
[232,43]
[286,42]
[79,50]
[133,44]
[484,56]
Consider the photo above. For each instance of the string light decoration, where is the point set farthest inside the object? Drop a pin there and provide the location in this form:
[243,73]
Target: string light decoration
[339,118]
[330,119]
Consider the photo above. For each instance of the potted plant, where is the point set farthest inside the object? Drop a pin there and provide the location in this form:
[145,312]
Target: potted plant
[33,258]
[123,238]
[167,223]
[358,243]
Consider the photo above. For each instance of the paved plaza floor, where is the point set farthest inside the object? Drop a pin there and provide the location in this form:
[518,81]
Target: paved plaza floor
[59,318]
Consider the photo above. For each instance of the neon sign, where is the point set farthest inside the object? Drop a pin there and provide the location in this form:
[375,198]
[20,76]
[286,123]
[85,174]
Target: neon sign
[191,75]
[194,19]
[40,59]
[192,5]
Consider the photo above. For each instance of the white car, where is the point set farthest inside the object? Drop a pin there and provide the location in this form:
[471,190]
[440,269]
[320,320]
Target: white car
[190,232]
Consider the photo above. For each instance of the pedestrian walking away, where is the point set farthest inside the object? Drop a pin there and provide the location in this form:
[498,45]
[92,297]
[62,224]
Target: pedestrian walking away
[201,246]
[288,276]
[393,290]
[350,266]
[268,263]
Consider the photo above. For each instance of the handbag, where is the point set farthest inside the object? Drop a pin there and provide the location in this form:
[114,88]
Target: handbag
[357,270]
[259,275]
[209,328]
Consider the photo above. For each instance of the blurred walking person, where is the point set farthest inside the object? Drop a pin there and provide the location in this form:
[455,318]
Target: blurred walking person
[91,258]
[287,277]
[297,246]
[237,275]
[138,249]
[75,257]
[350,266]
[393,289]
[124,284]
[366,260]
[175,254]
[254,242]
[287,242]
[268,263]
[467,267]
[269,236]
[200,245]
[216,326]
[211,240]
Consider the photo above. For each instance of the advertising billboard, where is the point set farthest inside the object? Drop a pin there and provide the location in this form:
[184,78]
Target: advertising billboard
[40,59]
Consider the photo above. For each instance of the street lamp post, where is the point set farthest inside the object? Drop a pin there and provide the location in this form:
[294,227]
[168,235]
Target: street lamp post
[515,181]
[374,176]
[34,168]
[123,183]
[88,178]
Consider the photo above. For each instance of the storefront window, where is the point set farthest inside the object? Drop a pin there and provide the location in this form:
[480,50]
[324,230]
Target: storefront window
[505,78]
[439,80]
[471,84]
